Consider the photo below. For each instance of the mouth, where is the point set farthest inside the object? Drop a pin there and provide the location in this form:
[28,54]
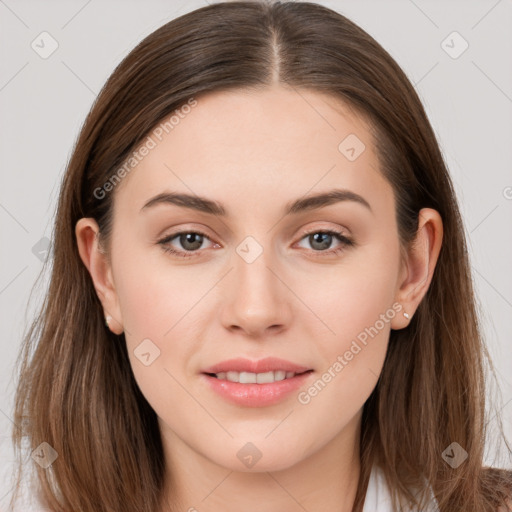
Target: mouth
[248,389]
[256,378]
[256,383]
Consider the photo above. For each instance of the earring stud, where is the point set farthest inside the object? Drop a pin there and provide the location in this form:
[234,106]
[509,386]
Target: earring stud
[107,320]
[406,315]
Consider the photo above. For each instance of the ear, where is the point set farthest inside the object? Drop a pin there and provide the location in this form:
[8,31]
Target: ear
[97,263]
[418,267]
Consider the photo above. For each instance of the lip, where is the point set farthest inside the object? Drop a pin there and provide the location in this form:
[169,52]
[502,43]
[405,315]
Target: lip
[255,395]
[263,365]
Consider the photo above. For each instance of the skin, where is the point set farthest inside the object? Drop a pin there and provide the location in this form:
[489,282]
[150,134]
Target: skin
[254,152]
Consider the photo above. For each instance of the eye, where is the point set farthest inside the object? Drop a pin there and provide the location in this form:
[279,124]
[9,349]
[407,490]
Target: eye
[191,241]
[322,239]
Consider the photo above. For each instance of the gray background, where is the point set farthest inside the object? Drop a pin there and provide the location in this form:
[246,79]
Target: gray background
[43,103]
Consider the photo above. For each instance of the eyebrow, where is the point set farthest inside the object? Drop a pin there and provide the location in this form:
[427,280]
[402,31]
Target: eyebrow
[307,203]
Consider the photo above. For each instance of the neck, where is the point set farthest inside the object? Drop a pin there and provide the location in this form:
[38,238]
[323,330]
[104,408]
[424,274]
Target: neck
[326,480]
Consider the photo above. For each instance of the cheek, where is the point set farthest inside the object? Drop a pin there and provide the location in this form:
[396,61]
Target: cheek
[352,354]
[356,303]
[154,295]
[355,294]
[155,304]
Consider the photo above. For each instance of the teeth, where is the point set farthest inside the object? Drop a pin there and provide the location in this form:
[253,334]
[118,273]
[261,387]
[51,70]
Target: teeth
[255,378]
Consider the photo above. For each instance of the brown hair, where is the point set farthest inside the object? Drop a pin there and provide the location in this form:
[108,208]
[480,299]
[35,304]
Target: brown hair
[76,386]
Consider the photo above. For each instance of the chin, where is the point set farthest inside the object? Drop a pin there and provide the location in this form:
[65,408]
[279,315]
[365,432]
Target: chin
[248,458]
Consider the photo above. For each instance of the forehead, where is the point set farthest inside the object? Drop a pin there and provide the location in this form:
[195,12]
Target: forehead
[242,145]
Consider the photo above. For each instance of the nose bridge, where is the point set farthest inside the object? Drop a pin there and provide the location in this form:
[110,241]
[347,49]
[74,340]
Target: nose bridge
[252,262]
[257,297]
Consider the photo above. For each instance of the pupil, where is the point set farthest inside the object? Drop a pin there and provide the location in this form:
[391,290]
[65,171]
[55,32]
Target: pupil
[189,239]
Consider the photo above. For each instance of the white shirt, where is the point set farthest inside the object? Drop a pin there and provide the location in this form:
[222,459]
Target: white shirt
[378,497]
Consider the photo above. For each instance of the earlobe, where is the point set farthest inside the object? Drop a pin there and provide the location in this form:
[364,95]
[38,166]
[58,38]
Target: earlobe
[96,262]
[421,260]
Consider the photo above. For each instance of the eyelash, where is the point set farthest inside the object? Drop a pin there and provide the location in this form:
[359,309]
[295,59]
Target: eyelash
[345,242]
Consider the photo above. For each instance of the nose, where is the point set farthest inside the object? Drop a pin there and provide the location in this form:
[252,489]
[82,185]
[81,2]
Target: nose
[257,300]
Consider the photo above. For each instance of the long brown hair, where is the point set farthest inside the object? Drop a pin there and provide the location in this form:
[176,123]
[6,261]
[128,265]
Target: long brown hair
[76,387]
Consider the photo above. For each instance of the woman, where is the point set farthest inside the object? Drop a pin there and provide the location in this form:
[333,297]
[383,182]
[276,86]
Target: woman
[260,295]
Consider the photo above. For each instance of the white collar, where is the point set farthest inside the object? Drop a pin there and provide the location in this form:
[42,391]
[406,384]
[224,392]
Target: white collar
[378,497]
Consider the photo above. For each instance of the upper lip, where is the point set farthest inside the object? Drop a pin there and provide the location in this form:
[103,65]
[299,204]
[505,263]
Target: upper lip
[262,366]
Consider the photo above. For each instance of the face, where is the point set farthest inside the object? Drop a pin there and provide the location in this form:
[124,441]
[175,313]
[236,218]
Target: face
[315,287]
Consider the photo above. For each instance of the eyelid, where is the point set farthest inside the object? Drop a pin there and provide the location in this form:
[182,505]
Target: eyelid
[343,238]
[317,229]
[339,233]
[170,236]
[184,229]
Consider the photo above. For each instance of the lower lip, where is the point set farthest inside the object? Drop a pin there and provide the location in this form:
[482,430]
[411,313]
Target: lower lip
[256,395]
